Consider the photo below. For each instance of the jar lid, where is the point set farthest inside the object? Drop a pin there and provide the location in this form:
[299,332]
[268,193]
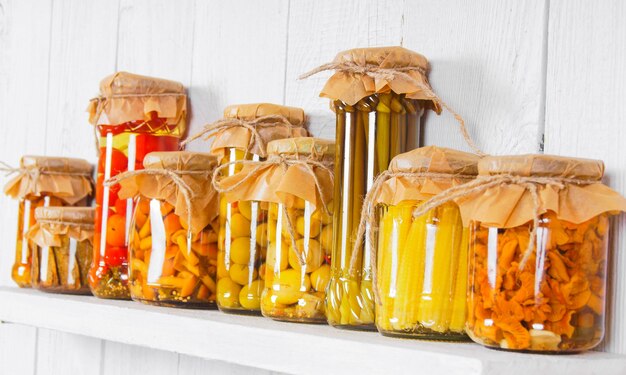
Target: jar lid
[435,159]
[180,161]
[75,215]
[56,164]
[301,145]
[124,83]
[540,165]
[255,110]
[384,57]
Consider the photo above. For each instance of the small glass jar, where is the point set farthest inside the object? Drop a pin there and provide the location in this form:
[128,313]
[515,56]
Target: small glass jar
[422,260]
[550,296]
[295,289]
[243,224]
[62,249]
[173,262]
[43,182]
[134,116]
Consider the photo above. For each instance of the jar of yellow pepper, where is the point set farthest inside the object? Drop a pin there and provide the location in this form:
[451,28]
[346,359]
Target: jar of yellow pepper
[41,182]
[378,96]
[421,262]
[243,134]
[537,252]
[173,239]
[294,185]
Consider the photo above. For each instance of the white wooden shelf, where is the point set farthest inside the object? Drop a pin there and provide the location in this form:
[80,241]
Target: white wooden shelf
[284,347]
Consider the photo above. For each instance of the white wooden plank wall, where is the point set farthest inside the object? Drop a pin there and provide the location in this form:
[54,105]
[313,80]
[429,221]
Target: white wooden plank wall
[513,69]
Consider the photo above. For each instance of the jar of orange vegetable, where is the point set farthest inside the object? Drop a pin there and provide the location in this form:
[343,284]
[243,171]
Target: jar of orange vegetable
[243,134]
[133,115]
[173,237]
[44,181]
[421,267]
[62,249]
[539,227]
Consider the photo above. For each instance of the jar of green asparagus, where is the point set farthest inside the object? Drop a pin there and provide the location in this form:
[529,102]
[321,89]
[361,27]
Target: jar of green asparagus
[378,96]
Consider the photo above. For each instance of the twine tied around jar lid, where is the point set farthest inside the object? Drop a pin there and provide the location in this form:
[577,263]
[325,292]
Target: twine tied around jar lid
[314,159]
[355,62]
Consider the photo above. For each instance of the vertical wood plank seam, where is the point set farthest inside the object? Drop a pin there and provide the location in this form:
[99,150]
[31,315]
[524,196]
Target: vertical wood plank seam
[117,36]
[286,52]
[102,350]
[35,359]
[193,43]
[544,78]
[46,122]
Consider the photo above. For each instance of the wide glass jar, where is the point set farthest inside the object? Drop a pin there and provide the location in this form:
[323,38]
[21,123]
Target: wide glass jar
[42,182]
[378,117]
[243,134]
[62,243]
[539,283]
[133,116]
[173,240]
[422,260]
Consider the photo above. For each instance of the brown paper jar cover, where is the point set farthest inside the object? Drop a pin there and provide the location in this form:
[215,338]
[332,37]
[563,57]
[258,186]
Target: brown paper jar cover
[351,87]
[240,137]
[161,187]
[270,182]
[126,97]
[510,205]
[449,168]
[68,179]
[53,223]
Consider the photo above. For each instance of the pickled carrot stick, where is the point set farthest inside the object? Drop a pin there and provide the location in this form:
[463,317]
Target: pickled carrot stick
[459,305]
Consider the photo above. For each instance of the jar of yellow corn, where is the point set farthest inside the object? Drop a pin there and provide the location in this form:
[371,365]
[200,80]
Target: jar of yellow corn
[173,235]
[379,95]
[538,252]
[421,260]
[243,134]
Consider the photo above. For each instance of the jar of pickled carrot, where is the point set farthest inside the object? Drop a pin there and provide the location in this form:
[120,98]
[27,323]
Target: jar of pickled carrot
[62,242]
[421,260]
[539,227]
[173,236]
[42,182]
[243,134]
[133,115]
[379,96]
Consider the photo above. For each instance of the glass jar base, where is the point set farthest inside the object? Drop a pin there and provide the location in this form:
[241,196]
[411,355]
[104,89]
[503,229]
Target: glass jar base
[359,327]
[298,320]
[428,336]
[178,304]
[235,311]
[79,292]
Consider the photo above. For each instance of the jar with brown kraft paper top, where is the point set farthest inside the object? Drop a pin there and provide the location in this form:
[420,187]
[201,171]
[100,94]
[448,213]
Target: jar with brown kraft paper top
[420,261]
[539,230]
[378,96]
[243,134]
[62,242]
[294,190]
[173,236]
[44,181]
[133,116]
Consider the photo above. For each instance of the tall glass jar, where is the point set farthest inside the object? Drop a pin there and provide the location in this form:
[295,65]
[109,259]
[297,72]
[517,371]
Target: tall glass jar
[379,95]
[295,286]
[243,134]
[539,288]
[422,260]
[173,240]
[133,116]
[42,182]
[62,249]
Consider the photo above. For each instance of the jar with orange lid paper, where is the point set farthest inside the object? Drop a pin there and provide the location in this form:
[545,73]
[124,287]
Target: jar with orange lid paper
[133,116]
[538,284]
[173,240]
[243,134]
[62,243]
[42,182]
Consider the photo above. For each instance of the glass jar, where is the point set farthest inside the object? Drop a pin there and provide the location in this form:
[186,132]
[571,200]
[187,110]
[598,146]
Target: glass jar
[421,263]
[547,294]
[133,116]
[242,241]
[173,243]
[42,182]
[295,287]
[62,249]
